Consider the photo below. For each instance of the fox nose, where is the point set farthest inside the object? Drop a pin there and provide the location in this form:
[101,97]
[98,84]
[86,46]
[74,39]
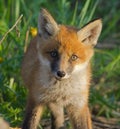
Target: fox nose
[61,74]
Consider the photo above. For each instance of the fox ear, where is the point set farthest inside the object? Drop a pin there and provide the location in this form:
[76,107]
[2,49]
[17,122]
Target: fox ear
[47,27]
[90,33]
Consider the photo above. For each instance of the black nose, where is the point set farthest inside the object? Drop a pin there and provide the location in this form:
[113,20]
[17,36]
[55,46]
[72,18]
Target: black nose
[61,73]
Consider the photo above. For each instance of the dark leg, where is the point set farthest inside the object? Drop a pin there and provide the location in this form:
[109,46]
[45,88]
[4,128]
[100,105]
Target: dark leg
[32,116]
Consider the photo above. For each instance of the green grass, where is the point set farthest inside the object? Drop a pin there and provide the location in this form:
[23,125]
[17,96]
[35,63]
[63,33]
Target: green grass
[106,86]
[106,63]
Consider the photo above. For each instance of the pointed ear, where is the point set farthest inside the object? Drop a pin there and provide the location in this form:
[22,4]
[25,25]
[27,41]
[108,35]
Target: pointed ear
[90,33]
[47,27]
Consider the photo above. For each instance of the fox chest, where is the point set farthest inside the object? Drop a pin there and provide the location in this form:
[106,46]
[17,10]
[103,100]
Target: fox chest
[62,92]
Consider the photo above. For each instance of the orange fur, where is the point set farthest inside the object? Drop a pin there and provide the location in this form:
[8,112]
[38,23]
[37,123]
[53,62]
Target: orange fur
[70,44]
[56,70]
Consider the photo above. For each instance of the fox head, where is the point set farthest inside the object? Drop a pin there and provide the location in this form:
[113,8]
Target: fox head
[64,50]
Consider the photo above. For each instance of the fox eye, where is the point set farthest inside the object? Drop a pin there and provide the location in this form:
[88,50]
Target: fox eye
[74,57]
[54,54]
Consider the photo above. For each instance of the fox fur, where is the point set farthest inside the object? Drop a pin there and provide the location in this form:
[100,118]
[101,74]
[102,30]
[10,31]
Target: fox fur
[56,71]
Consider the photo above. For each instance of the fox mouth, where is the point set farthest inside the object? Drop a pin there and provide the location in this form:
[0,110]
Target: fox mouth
[58,79]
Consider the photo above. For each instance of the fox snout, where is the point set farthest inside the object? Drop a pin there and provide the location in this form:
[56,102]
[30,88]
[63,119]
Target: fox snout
[61,74]
[60,70]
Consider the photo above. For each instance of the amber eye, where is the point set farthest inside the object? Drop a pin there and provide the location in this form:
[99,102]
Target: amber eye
[74,57]
[54,54]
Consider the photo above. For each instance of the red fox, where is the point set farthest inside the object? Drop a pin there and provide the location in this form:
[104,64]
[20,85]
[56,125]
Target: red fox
[56,71]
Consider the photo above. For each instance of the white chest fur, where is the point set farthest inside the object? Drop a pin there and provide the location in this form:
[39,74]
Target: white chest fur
[71,90]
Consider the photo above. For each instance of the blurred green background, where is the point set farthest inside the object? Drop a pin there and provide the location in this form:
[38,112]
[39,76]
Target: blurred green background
[105,87]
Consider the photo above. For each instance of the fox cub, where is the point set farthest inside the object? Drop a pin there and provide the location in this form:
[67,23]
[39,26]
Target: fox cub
[56,71]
